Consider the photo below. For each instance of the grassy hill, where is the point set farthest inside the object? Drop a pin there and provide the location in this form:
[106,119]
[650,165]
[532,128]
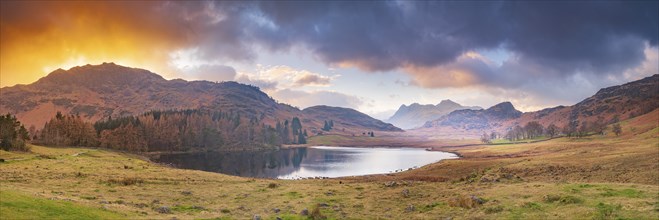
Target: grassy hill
[600,177]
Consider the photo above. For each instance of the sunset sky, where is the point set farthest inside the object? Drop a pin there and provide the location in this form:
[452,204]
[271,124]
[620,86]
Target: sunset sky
[371,56]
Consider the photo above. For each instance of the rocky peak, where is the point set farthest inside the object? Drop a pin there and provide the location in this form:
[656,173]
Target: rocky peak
[504,110]
[92,76]
[448,102]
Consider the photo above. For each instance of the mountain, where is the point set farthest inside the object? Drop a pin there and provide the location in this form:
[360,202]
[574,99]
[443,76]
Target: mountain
[608,105]
[347,118]
[96,92]
[415,115]
[477,119]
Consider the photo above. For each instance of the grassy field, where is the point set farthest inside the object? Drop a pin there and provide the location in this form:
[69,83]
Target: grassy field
[599,177]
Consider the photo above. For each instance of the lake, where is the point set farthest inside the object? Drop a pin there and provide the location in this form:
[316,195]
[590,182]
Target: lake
[319,161]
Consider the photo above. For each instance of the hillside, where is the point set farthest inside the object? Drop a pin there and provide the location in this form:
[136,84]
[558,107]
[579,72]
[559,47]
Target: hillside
[98,91]
[415,115]
[607,105]
[597,177]
[346,117]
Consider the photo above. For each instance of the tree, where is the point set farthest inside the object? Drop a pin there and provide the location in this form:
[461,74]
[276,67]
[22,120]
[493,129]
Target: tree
[301,139]
[493,135]
[296,126]
[372,134]
[552,130]
[598,126]
[485,138]
[327,126]
[617,129]
[533,129]
[583,129]
[13,134]
[571,128]
[518,131]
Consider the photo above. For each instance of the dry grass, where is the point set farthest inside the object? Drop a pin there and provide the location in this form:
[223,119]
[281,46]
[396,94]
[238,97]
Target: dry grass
[597,177]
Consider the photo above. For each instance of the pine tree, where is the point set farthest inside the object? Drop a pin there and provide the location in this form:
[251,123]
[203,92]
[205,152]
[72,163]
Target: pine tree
[301,139]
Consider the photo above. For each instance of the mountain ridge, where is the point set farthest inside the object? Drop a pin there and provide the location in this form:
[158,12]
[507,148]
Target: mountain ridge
[96,92]
[608,105]
[415,115]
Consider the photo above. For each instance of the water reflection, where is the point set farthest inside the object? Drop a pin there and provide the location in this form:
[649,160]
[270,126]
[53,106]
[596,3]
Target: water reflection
[307,162]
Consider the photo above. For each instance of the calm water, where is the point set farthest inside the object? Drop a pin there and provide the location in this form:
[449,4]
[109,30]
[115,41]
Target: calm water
[307,162]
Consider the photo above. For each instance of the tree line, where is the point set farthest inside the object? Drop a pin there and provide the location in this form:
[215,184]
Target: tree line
[534,129]
[176,130]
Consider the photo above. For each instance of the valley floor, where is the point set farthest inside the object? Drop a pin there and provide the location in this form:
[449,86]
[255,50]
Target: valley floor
[598,177]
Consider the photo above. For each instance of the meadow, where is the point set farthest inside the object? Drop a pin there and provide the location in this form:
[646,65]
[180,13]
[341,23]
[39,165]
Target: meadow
[596,177]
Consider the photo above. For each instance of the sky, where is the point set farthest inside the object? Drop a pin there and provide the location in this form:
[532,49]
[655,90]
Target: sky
[369,55]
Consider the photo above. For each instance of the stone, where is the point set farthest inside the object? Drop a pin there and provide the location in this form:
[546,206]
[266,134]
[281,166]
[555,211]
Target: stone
[304,212]
[256,217]
[164,210]
[390,184]
[410,208]
[406,193]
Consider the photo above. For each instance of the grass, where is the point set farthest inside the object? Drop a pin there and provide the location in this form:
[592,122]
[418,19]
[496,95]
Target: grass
[506,141]
[603,177]
[15,205]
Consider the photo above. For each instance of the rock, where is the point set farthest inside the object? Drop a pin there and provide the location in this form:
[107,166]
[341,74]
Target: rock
[104,202]
[256,217]
[304,212]
[329,193]
[278,218]
[276,210]
[390,184]
[477,200]
[323,205]
[164,210]
[410,208]
[187,193]
[485,180]
[406,193]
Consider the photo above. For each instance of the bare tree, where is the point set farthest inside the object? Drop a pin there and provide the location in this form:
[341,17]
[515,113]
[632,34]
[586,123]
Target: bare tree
[552,130]
[485,138]
[617,129]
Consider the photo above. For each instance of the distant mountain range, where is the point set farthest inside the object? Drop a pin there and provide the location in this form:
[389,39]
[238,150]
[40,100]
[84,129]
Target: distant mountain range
[99,91]
[415,115]
[607,105]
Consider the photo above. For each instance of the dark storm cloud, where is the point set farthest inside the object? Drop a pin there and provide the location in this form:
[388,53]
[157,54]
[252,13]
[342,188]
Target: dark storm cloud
[587,36]
[420,37]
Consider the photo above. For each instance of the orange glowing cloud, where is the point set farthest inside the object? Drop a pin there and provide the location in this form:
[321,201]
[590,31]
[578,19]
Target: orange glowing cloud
[39,37]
